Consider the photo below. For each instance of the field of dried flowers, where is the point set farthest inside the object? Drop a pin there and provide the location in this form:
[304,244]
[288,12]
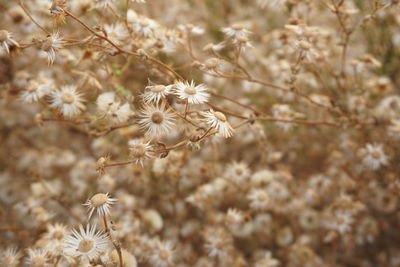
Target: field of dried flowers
[256,133]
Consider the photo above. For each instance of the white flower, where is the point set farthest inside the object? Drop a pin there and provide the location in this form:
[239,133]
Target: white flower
[235,31]
[68,100]
[50,46]
[156,120]
[277,190]
[238,172]
[217,120]
[104,3]
[162,254]
[394,128]
[234,217]
[218,243]
[139,150]
[36,258]
[341,221]
[111,108]
[101,203]
[56,233]
[273,4]
[154,93]
[375,157]
[259,199]
[282,111]
[89,242]
[142,25]
[35,91]
[190,28]
[6,39]
[10,257]
[194,94]
[116,32]
[307,49]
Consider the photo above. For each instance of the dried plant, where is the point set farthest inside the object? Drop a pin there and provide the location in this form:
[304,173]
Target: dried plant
[256,133]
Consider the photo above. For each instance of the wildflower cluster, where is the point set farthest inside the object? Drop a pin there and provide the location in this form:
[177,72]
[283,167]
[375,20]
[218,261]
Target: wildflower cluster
[258,133]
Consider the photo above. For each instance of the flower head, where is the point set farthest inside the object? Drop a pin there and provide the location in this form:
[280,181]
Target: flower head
[194,94]
[143,26]
[50,46]
[100,202]
[68,100]
[154,93]
[6,39]
[156,120]
[89,242]
[259,199]
[238,172]
[116,32]
[35,91]
[235,31]
[375,156]
[10,257]
[37,258]
[162,255]
[108,106]
[139,150]
[217,120]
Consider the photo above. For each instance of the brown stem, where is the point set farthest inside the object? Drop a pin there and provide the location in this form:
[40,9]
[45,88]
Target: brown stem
[21,3]
[116,245]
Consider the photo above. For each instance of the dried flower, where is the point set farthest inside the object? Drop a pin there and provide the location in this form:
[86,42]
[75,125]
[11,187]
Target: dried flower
[50,45]
[6,39]
[68,100]
[140,151]
[194,94]
[101,203]
[375,156]
[87,242]
[156,120]
[154,93]
[217,120]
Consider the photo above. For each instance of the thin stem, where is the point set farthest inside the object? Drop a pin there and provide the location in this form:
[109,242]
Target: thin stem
[21,3]
[121,50]
[119,163]
[116,245]
[326,123]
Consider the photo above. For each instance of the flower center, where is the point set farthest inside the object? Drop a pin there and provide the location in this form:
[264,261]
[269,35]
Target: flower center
[212,63]
[138,151]
[164,254]
[38,261]
[262,197]
[46,46]
[376,154]
[7,260]
[3,35]
[242,39]
[99,199]
[58,235]
[237,27]
[158,88]
[305,45]
[190,90]
[86,245]
[157,117]
[144,23]
[67,98]
[32,88]
[239,171]
[220,116]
